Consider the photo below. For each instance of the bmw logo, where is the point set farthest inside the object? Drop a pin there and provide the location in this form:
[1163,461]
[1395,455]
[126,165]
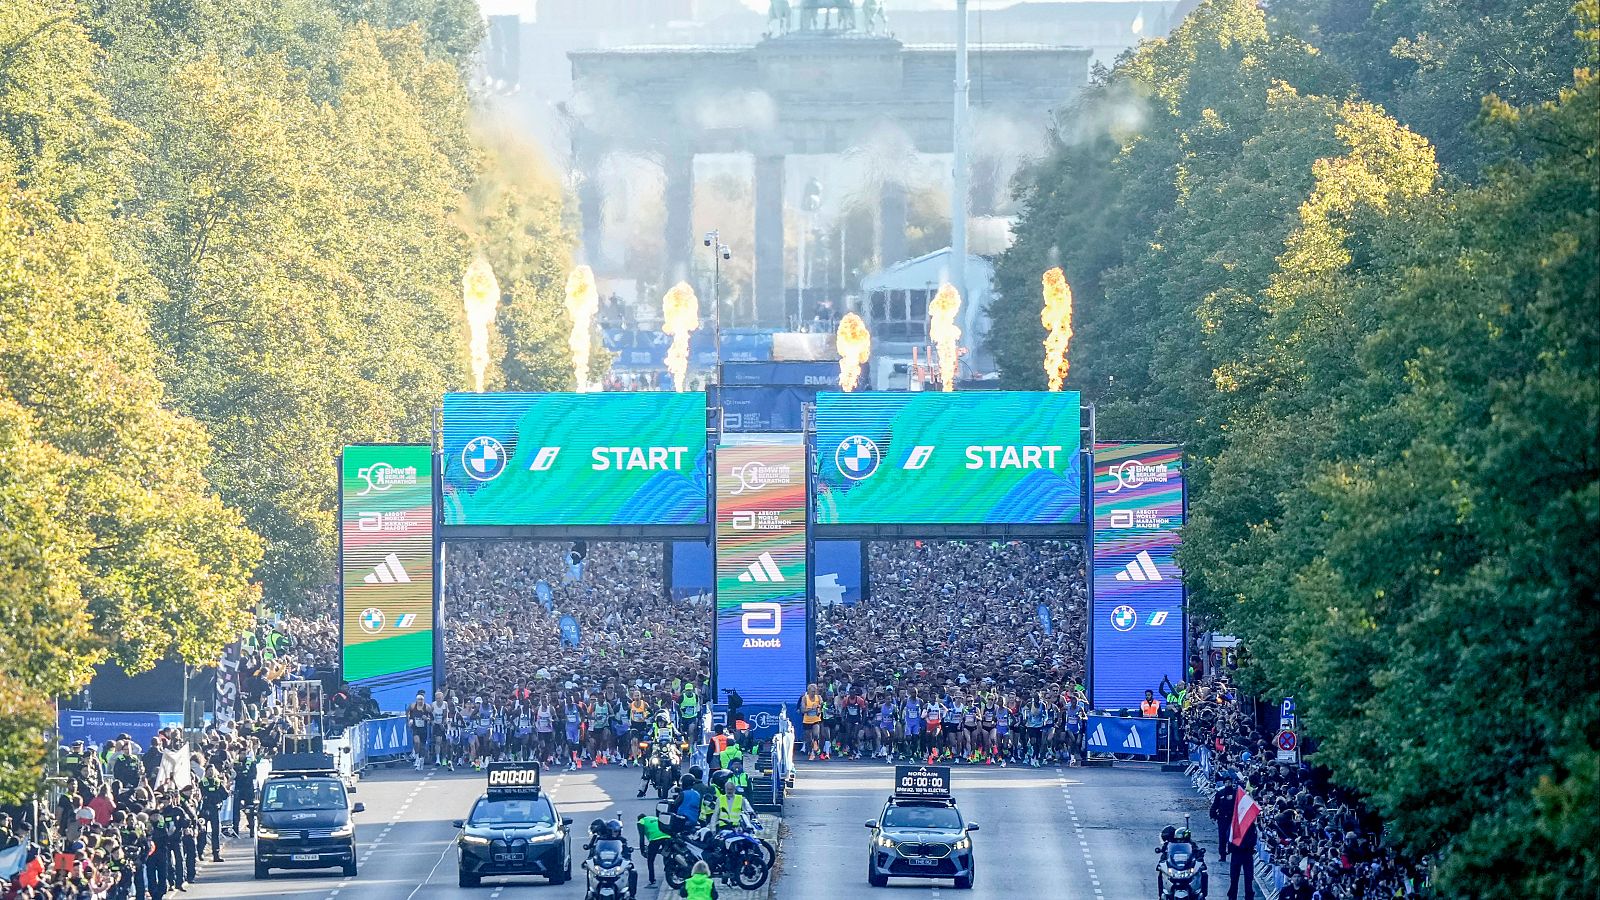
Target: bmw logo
[1123,618]
[483,458]
[372,620]
[857,457]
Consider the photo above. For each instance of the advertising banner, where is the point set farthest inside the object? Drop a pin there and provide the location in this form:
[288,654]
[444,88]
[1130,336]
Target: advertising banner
[227,684]
[823,374]
[97,727]
[575,459]
[990,457]
[762,409]
[1138,625]
[1110,734]
[386,519]
[761,640]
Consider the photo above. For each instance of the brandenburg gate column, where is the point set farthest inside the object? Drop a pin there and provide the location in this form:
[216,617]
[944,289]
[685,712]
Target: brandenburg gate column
[769,239]
[678,163]
[891,223]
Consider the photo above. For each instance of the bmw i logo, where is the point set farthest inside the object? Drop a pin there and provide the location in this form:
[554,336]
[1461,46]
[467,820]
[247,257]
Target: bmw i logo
[483,458]
[372,620]
[1123,618]
[857,457]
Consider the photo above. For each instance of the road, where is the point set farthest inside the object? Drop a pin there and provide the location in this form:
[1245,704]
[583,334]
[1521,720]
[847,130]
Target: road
[407,843]
[1062,834]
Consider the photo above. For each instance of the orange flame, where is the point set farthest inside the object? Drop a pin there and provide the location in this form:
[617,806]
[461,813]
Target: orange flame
[1056,316]
[583,301]
[480,295]
[944,331]
[680,314]
[855,347]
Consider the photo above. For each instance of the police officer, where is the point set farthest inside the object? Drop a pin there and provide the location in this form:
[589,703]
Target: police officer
[213,793]
[155,855]
[244,789]
[1222,814]
[170,825]
[192,840]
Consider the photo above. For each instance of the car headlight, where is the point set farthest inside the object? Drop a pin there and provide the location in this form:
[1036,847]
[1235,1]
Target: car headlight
[884,842]
[266,834]
[545,838]
[964,844]
[343,831]
[475,840]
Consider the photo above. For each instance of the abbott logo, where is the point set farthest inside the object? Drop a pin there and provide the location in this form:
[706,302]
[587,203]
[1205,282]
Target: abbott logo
[544,459]
[761,618]
[918,457]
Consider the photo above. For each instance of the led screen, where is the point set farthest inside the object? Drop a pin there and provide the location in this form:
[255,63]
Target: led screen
[948,458]
[575,459]
[762,645]
[386,570]
[1138,627]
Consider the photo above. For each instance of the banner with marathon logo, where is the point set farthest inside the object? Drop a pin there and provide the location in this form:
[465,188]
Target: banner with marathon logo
[513,779]
[932,782]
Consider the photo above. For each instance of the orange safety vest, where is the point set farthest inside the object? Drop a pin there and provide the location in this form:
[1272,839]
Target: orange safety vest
[1151,708]
[720,742]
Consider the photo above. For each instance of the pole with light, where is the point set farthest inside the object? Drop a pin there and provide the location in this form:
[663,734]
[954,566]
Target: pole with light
[719,252]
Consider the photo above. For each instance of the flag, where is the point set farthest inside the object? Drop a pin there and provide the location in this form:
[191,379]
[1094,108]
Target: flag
[11,860]
[546,596]
[1245,810]
[1044,620]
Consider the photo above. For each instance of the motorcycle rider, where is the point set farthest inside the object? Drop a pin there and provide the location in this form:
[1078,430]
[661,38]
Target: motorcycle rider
[662,737]
[611,830]
[1177,846]
[688,808]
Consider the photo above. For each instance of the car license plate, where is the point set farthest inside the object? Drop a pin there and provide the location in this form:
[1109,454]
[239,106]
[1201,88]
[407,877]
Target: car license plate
[921,861]
[508,857]
[305,857]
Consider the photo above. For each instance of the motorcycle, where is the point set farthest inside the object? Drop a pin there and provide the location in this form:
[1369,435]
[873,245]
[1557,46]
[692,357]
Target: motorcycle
[733,856]
[1181,868]
[662,761]
[608,870]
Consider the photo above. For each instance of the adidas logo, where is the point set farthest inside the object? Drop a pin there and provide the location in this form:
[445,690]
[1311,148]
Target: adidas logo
[1098,736]
[765,568]
[391,572]
[1142,568]
[1132,740]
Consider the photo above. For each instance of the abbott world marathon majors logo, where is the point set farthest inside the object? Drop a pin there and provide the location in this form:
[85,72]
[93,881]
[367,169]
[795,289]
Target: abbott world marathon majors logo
[1133,473]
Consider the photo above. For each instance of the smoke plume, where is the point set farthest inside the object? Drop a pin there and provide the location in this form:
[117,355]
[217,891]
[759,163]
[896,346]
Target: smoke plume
[855,346]
[582,304]
[680,314]
[1057,317]
[945,333]
[480,294]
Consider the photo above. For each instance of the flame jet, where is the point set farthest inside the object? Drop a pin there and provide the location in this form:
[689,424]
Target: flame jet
[680,314]
[945,333]
[1057,317]
[855,347]
[480,295]
[582,304]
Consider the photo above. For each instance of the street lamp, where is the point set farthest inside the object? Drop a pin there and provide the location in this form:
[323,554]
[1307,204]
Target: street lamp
[719,252]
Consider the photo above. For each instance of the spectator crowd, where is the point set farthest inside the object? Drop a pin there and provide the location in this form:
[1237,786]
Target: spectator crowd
[1325,841]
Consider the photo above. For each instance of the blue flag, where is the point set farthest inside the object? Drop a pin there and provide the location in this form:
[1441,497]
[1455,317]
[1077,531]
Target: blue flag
[547,596]
[570,635]
[1044,619]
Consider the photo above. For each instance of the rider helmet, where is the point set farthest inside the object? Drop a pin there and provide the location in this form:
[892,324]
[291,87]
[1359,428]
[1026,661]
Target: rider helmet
[597,826]
[720,777]
[1182,834]
[697,772]
[613,830]
[1167,834]
[686,781]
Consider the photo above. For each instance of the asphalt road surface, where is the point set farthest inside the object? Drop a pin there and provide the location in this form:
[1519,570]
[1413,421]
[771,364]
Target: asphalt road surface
[1061,834]
[407,844]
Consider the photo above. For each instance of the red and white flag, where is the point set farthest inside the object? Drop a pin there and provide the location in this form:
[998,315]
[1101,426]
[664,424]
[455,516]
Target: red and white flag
[1245,810]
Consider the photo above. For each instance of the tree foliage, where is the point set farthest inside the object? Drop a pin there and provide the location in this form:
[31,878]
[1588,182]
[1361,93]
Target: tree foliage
[232,234]
[1374,327]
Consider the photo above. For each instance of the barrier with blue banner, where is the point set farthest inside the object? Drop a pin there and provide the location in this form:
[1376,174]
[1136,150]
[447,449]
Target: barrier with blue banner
[96,727]
[1110,734]
[799,373]
[647,350]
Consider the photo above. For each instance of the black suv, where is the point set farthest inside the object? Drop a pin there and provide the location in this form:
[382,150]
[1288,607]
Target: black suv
[305,817]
